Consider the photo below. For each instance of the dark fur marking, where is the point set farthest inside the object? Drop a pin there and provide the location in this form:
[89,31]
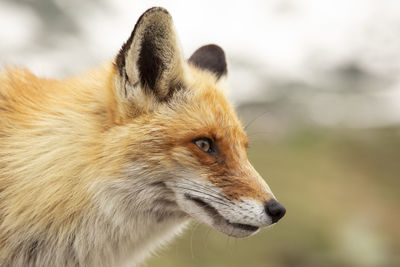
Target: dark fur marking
[71,250]
[165,203]
[149,63]
[162,216]
[32,251]
[159,184]
[210,57]
[164,209]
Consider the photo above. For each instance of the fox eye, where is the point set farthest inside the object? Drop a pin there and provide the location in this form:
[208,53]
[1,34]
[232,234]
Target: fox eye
[205,144]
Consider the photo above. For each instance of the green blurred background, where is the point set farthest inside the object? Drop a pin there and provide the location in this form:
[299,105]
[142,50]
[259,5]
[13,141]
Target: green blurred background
[317,82]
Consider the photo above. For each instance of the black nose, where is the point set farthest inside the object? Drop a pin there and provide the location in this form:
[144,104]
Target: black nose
[275,210]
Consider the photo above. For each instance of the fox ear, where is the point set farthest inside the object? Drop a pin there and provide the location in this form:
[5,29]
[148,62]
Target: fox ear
[150,63]
[210,57]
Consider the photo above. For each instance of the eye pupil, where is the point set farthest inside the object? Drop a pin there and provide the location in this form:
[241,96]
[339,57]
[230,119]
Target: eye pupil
[204,145]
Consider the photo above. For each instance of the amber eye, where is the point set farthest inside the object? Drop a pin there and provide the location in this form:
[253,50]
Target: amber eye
[205,144]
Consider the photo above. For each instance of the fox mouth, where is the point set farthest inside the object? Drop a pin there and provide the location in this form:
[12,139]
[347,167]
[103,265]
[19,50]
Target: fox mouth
[236,229]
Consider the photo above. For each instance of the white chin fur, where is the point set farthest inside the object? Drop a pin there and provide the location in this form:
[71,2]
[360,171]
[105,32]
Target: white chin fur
[230,230]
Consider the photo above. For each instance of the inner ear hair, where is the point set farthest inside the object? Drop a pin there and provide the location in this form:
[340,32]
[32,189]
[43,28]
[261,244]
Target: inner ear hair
[151,59]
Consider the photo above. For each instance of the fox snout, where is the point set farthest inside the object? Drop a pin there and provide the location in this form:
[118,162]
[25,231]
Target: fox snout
[237,205]
[275,210]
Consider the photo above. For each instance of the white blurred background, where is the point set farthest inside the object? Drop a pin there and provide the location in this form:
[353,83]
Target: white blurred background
[326,62]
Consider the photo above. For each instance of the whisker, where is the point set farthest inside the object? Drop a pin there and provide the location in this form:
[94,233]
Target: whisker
[205,191]
[206,187]
[191,238]
[213,198]
[254,119]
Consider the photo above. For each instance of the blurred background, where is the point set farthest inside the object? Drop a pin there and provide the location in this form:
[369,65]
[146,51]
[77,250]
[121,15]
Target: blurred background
[317,83]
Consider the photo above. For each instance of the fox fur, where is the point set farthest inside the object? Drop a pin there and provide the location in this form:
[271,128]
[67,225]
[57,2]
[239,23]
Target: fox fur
[103,168]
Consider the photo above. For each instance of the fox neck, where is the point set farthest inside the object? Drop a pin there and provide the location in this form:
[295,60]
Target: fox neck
[136,217]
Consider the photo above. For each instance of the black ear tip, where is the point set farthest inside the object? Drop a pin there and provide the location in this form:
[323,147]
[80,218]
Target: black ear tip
[210,57]
[212,48]
[155,9]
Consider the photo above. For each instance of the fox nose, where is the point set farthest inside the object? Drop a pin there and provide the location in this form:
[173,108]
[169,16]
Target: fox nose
[275,210]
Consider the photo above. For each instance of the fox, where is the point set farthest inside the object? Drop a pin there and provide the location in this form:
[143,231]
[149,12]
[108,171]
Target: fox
[103,168]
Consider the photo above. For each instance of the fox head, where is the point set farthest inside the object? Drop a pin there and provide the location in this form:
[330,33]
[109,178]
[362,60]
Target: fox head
[192,145]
